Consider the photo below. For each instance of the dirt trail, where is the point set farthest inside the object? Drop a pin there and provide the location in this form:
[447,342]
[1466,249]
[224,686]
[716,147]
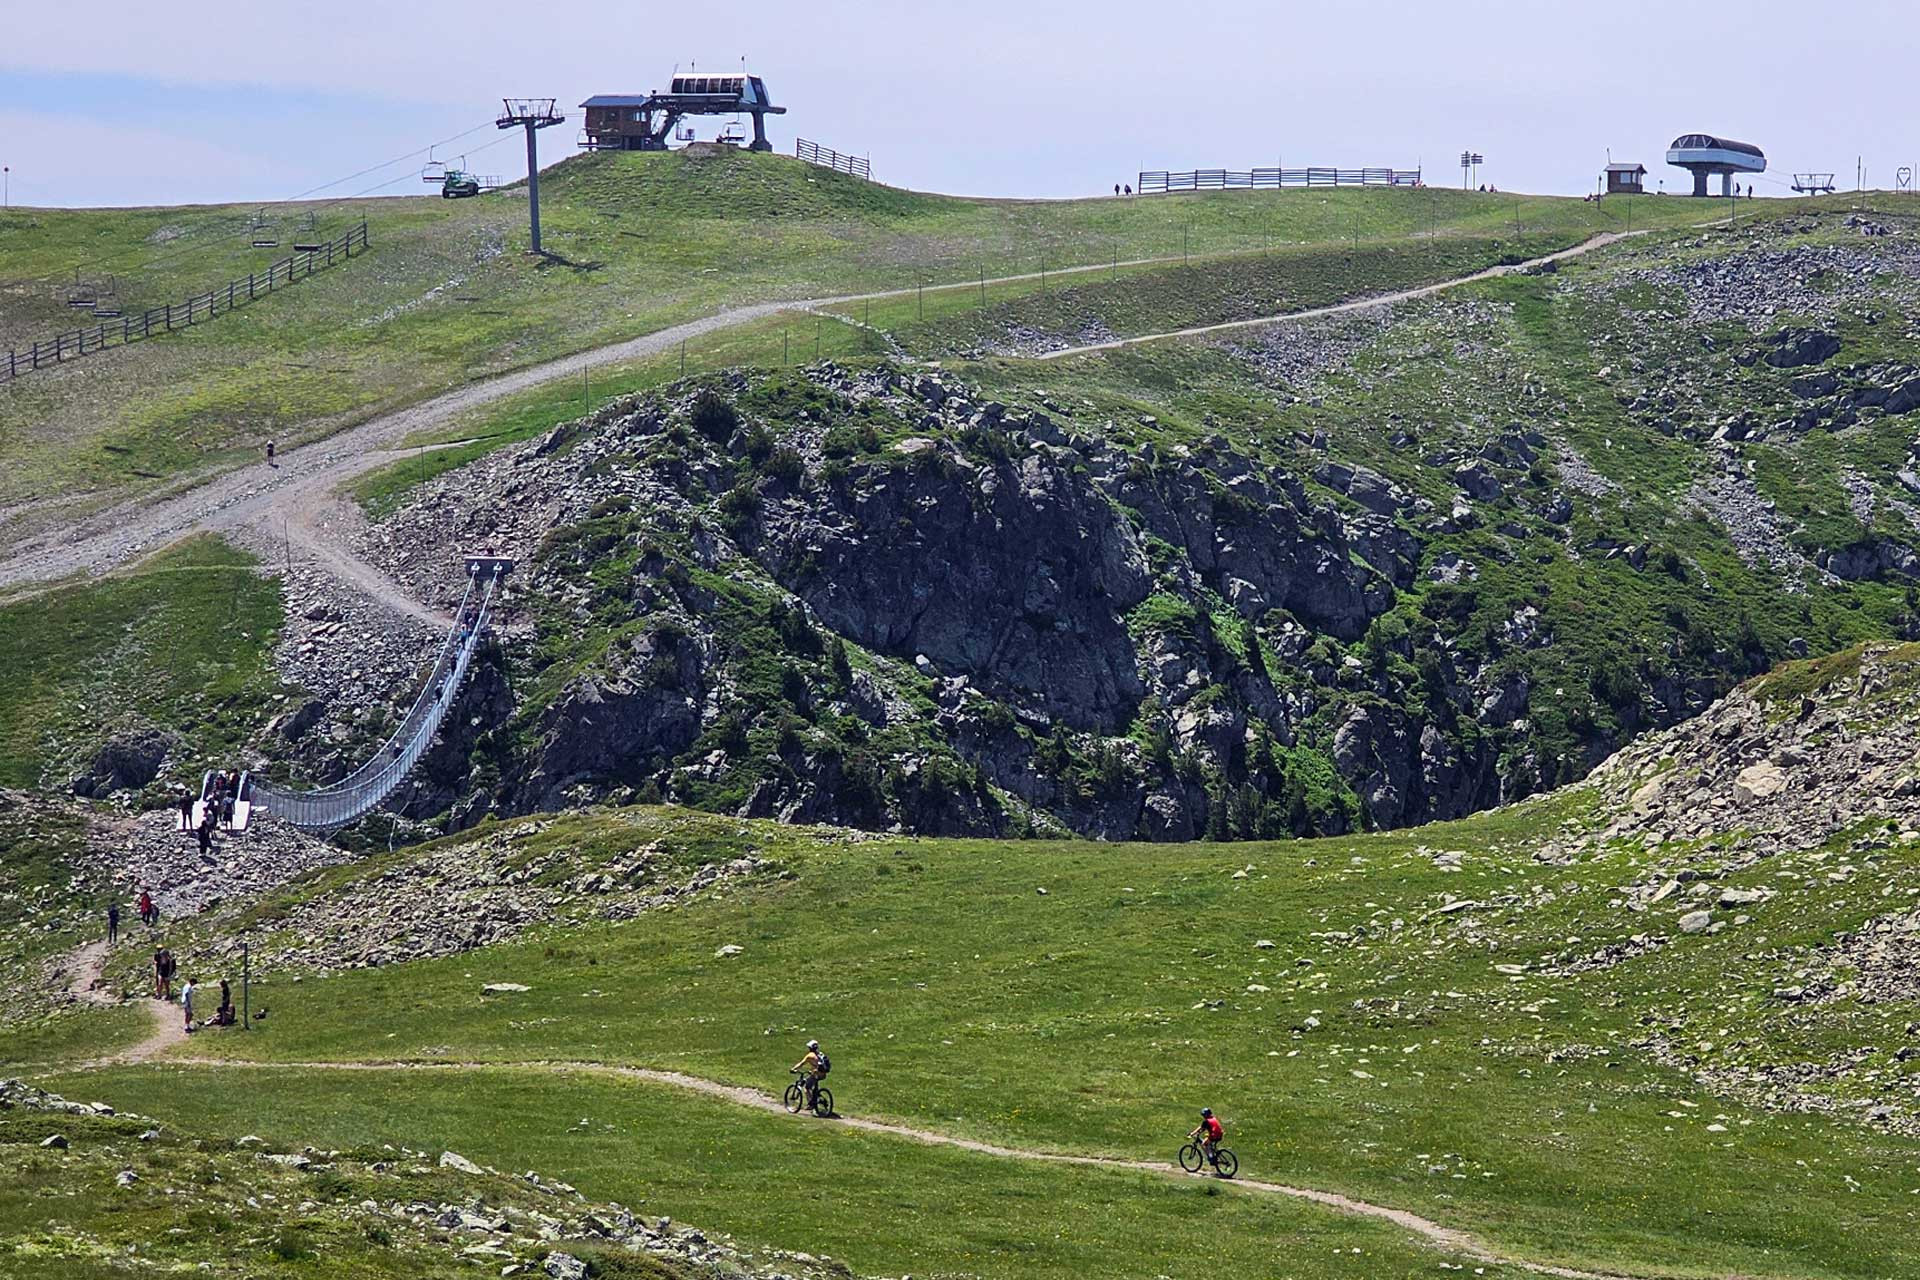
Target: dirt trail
[1427,1229]
[274,499]
[168,1024]
[1358,304]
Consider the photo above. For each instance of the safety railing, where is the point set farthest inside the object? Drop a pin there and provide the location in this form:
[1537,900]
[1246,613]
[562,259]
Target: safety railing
[828,158]
[1153,181]
[123,330]
[362,791]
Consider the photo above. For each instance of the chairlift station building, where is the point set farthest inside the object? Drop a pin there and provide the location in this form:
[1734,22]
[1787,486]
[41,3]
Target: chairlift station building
[645,121]
[1704,155]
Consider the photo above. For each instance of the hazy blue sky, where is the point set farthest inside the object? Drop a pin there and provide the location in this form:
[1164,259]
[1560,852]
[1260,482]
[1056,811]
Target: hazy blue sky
[127,103]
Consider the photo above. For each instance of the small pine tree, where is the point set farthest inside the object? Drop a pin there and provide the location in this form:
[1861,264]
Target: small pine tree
[1256,660]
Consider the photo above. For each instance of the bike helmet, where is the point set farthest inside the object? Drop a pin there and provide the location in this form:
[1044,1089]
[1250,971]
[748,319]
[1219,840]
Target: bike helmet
[813,1044]
[1206,1113]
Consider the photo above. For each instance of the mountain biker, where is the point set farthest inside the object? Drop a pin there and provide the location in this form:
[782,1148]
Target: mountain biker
[810,1069]
[1209,1134]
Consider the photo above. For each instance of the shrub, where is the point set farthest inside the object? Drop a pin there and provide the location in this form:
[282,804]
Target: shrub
[713,416]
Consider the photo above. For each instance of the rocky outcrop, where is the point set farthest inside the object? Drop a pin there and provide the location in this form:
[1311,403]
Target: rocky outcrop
[127,762]
[623,720]
[1015,573]
[1793,348]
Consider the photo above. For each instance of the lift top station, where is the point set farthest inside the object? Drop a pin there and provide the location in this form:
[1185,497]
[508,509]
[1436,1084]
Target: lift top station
[1702,154]
[644,122]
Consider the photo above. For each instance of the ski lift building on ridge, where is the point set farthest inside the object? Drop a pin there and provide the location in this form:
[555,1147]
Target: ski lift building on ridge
[645,121]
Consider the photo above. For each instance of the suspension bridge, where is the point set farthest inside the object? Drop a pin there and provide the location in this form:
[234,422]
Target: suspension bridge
[353,797]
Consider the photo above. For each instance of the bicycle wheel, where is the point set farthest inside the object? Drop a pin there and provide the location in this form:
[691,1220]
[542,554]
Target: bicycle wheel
[823,1102]
[795,1098]
[1190,1158]
[1225,1163]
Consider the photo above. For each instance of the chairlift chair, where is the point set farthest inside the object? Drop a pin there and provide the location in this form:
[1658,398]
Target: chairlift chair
[434,171]
[309,239]
[80,295]
[731,136]
[262,231]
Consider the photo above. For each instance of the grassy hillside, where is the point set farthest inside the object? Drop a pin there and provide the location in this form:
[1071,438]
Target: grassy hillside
[1466,1021]
[636,242]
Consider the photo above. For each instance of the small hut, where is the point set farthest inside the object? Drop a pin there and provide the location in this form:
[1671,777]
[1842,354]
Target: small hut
[1626,179]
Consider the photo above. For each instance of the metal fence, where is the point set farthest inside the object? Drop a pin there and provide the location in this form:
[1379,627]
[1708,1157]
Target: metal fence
[827,157]
[361,792]
[1160,180]
[177,315]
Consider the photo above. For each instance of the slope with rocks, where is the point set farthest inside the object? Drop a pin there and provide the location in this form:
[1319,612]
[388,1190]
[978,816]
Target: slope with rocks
[110,1194]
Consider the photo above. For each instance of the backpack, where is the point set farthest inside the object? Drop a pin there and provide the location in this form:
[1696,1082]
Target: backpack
[825,1066]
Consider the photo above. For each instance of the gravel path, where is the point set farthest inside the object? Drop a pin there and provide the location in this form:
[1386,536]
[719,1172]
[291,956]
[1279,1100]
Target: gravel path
[1339,308]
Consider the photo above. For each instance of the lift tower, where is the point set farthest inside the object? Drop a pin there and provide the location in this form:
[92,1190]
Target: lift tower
[532,114]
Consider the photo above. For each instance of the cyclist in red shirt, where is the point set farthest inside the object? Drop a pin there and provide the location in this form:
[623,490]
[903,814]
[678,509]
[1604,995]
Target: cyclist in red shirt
[1210,1132]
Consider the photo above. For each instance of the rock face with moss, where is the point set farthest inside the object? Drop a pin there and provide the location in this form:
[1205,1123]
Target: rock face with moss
[1368,572]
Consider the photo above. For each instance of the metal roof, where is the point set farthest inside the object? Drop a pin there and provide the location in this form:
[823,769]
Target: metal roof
[618,100]
[1707,142]
[1626,168]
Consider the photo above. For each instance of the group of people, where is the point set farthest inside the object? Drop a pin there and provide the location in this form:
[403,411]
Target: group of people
[1119,187]
[164,969]
[223,793]
[149,916]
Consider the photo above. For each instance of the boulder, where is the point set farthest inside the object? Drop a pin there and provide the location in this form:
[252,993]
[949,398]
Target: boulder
[129,761]
[1758,781]
[1795,347]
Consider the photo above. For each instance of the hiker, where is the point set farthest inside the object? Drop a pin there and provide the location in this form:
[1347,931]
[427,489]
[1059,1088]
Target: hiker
[184,802]
[270,461]
[223,1016]
[226,809]
[205,832]
[148,912]
[1129,188]
[186,1003]
[1116,188]
[113,923]
[163,967]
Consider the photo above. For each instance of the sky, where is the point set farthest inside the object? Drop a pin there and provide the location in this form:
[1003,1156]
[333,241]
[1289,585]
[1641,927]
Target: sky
[123,102]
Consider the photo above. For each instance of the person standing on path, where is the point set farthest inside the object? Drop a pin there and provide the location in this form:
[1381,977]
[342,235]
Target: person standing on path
[270,461]
[149,914]
[162,974]
[186,1002]
[184,802]
[113,923]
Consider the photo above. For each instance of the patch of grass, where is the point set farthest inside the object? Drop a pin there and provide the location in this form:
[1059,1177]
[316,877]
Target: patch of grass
[182,641]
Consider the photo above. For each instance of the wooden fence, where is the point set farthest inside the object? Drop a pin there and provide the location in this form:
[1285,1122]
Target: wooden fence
[1159,180]
[827,157]
[177,315]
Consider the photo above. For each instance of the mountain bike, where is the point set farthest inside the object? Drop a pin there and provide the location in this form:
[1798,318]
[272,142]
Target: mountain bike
[1224,1162]
[796,1097]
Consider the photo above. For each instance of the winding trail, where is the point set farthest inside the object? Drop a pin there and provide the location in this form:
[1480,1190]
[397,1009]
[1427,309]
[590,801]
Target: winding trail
[289,497]
[167,1034]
